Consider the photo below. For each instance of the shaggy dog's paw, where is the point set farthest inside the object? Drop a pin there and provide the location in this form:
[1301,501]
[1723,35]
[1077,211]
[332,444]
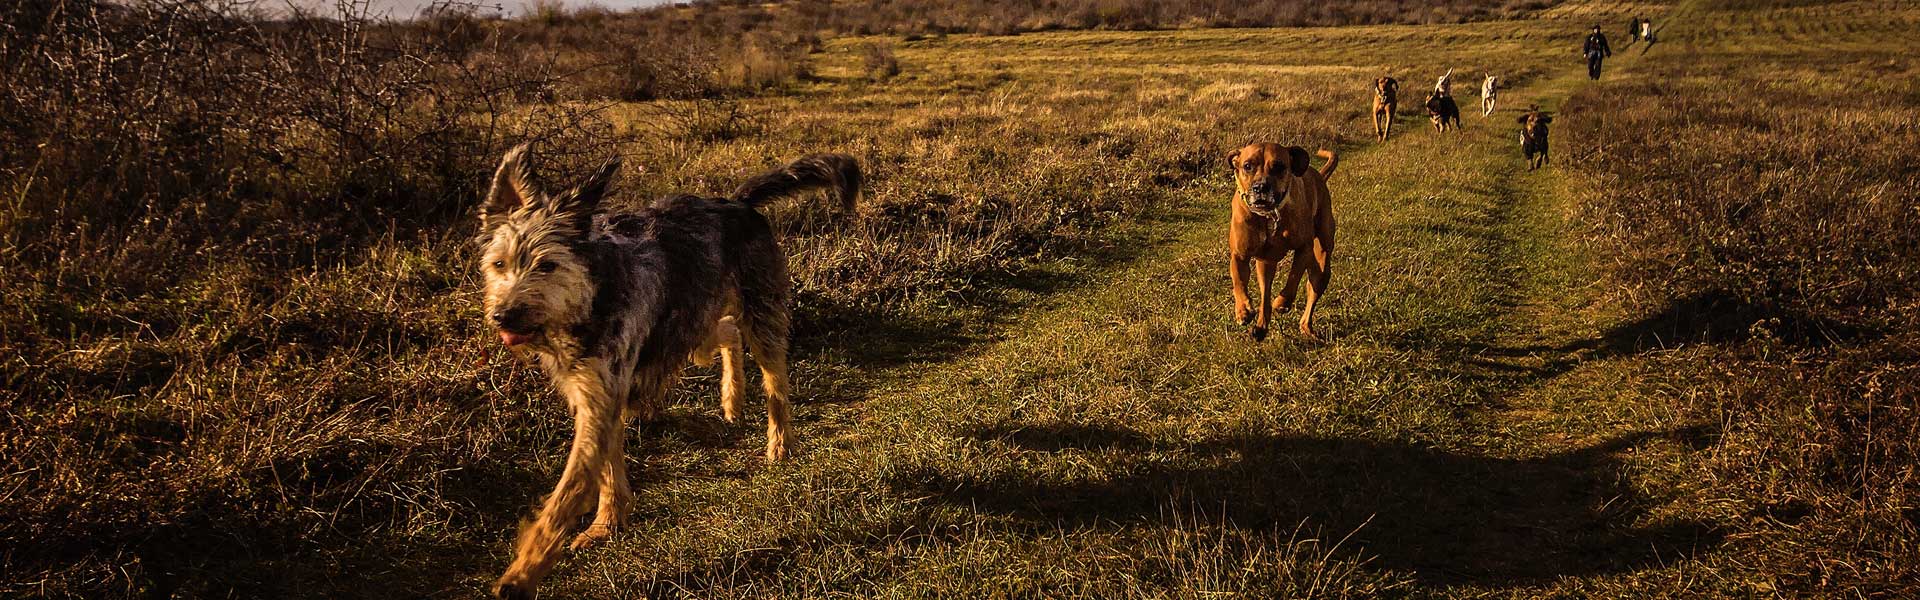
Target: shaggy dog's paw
[1259,333]
[647,413]
[594,534]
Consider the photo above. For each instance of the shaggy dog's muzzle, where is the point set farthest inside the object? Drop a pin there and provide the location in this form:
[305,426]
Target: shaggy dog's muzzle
[515,324]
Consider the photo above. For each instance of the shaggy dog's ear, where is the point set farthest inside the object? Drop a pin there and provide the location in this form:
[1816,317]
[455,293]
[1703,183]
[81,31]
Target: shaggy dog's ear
[1523,118]
[1546,118]
[512,189]
[578,205]
[586,198]
[1297,160]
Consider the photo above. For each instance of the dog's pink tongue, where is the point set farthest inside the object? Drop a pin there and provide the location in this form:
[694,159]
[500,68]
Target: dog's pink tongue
[514,339]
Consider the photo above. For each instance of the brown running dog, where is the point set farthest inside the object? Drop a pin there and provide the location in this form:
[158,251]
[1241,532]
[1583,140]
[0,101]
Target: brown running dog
[1443,111]
[1386,92]
[1533,137]
[1282,206]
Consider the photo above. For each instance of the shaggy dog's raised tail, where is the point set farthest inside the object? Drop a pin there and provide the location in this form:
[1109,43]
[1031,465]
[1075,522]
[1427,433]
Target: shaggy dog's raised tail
[838,172]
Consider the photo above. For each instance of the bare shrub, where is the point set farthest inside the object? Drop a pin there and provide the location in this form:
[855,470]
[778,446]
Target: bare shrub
[760,62]
[881,64]
[547,12]
[648,69]
[705,119]
[663,53]
[198,205]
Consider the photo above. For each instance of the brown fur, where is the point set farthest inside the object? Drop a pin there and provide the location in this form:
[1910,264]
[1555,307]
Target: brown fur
[1443,111]
[613,305]
[1533,137]
[1281,207]
[1386,100]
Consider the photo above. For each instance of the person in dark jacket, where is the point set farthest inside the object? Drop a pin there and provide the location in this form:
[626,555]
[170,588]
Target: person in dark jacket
[1633,29]
[1596,50]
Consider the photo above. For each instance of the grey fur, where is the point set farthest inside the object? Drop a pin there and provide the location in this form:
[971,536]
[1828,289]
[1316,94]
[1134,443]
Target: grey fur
[613,304]
[839,172]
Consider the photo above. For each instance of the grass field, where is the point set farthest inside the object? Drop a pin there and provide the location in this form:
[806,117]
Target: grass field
[1016,370]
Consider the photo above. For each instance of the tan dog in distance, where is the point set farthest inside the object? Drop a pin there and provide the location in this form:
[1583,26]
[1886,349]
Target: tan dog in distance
[1386,99]
[1281,206]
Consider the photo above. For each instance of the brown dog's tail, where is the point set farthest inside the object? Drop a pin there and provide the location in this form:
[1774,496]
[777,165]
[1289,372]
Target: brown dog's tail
[838,172]
[1333,160]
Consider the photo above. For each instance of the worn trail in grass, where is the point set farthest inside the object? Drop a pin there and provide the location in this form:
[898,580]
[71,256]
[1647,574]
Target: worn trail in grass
[1462,432]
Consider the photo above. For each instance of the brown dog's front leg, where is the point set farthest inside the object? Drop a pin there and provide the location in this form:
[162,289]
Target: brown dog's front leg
[1263,269]
[1319,274]
[1284,301]
[1238,271]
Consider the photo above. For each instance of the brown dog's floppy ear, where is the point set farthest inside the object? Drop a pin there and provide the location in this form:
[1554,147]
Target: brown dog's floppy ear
[512,188]
[1233,160]
[1297,160]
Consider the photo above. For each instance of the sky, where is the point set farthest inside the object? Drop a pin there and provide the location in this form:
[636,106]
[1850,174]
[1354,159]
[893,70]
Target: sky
[402,9]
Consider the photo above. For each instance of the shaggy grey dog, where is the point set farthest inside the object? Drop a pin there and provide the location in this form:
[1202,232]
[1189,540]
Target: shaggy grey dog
[614,305]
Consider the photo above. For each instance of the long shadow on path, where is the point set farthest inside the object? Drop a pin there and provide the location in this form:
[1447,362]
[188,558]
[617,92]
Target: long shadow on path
[1444,517]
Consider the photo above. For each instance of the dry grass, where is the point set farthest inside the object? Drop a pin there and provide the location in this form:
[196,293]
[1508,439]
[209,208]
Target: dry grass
[232,377]
[1770,235]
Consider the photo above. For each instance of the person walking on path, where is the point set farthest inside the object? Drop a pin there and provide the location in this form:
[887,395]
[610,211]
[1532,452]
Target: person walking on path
[1596,50]
[1633,29]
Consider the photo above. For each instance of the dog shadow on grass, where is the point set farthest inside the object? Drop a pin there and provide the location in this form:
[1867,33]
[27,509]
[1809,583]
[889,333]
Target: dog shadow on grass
[1718,318]
[1441,517]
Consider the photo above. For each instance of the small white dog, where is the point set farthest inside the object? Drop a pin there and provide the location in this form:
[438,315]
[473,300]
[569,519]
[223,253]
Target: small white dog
[1489,90]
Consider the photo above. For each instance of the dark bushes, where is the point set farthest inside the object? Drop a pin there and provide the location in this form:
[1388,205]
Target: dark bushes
[220,236]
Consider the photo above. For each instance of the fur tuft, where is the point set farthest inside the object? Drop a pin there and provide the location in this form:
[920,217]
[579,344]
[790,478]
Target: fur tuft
[838,172]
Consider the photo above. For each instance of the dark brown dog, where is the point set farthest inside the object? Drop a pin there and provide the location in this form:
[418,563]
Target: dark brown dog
[1443,111]
[1282,206]
[1533,137]
[1386,99]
